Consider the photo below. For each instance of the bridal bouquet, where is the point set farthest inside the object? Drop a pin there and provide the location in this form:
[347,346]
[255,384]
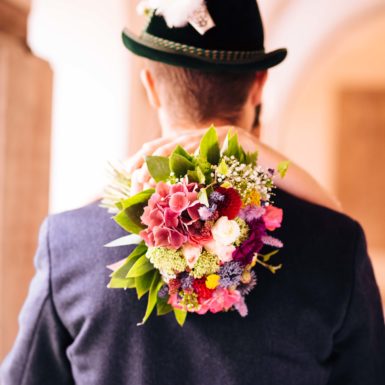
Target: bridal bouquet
[200,231]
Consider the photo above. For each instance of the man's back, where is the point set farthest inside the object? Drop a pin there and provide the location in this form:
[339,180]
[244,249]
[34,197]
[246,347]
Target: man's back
[317,321]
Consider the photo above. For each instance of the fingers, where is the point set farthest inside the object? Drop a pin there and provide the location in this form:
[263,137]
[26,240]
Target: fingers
[136,166]
[137,160]
[187,140]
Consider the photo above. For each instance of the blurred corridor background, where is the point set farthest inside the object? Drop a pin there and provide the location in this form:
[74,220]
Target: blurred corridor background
[70,101]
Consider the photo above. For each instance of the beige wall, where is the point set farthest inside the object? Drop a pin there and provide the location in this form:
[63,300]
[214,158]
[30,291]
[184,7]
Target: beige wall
[25,121]
[351,57]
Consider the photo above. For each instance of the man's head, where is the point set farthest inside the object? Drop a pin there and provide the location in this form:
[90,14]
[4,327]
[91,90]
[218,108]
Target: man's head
[188,98]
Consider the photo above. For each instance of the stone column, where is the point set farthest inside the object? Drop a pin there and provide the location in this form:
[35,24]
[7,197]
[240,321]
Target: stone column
[25,129]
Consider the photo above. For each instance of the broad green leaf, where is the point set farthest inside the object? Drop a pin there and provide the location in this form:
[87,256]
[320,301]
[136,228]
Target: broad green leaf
[129,217]
[192,176]
[223,169]
[156,284]
[242,155]
[121,283]
[225,144]
[130,261]
[181,151]
[209,146]
[141,266]
[180,165]
[252,157]
[143,283]
[180,316]
[283,167]
[141,197]
[201,175]
[233,147]
[118,277]
[203,198]
[158,167]
[162,307]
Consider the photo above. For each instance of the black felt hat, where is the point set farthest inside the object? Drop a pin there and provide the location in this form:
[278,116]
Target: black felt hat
[235,43]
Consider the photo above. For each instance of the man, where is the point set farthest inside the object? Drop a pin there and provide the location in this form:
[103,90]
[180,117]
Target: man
[318,321]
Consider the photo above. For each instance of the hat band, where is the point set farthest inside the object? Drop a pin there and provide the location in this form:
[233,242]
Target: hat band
[220,56]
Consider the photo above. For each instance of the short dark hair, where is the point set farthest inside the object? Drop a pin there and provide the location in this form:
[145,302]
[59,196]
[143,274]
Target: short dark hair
[199,96]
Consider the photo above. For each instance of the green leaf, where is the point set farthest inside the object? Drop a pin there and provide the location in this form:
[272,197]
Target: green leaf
[203,198]
[233,147]
[158,167]
[192,176]
[223,169]
[201,175]
[156,284]
[129,217]
[121,283]
[180,165]
[283,167]
[119,278]
[252,157]
[180,316]
[181,151]
[141,266]
[141,197]
[143,283]
[162,307]
[209,146]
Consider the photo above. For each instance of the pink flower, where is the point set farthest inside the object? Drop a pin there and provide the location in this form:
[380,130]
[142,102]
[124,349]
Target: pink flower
[166,237]
[222,299]
[273,217]
[169,213]
[179,202]
[241,307]
[173,301]
[271,241]
[224,252]
[191,253]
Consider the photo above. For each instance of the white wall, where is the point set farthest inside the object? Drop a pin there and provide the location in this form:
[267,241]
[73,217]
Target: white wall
[81,40]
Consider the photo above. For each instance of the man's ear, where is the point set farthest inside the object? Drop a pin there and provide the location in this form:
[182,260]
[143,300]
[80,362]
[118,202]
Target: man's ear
[149,85]
[256,90]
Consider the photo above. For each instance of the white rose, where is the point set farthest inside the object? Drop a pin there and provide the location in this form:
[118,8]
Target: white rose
[225,231]
[224,252]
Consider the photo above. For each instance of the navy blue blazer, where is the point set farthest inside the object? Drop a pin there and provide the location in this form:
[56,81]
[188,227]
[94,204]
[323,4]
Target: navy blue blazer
[317,321]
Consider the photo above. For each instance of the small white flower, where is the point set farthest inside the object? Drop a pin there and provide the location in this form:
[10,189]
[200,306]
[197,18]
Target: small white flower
[175,12]
[225,231]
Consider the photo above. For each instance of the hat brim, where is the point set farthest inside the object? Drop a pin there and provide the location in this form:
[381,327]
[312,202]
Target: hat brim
[165,54]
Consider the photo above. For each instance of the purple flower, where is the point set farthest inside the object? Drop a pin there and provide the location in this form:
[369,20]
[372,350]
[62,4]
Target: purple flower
[251,213]
[163,292]
[252,245]
[217,197]
[186,280]
[230,273]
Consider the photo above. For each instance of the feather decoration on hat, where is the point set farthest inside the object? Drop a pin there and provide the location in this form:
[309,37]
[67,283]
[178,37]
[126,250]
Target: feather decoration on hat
[175,12]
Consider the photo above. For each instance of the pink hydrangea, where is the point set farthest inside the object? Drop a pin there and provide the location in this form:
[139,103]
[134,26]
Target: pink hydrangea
[170,212]
[273,217]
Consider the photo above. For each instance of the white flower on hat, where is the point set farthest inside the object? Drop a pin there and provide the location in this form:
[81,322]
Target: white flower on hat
[176,12]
